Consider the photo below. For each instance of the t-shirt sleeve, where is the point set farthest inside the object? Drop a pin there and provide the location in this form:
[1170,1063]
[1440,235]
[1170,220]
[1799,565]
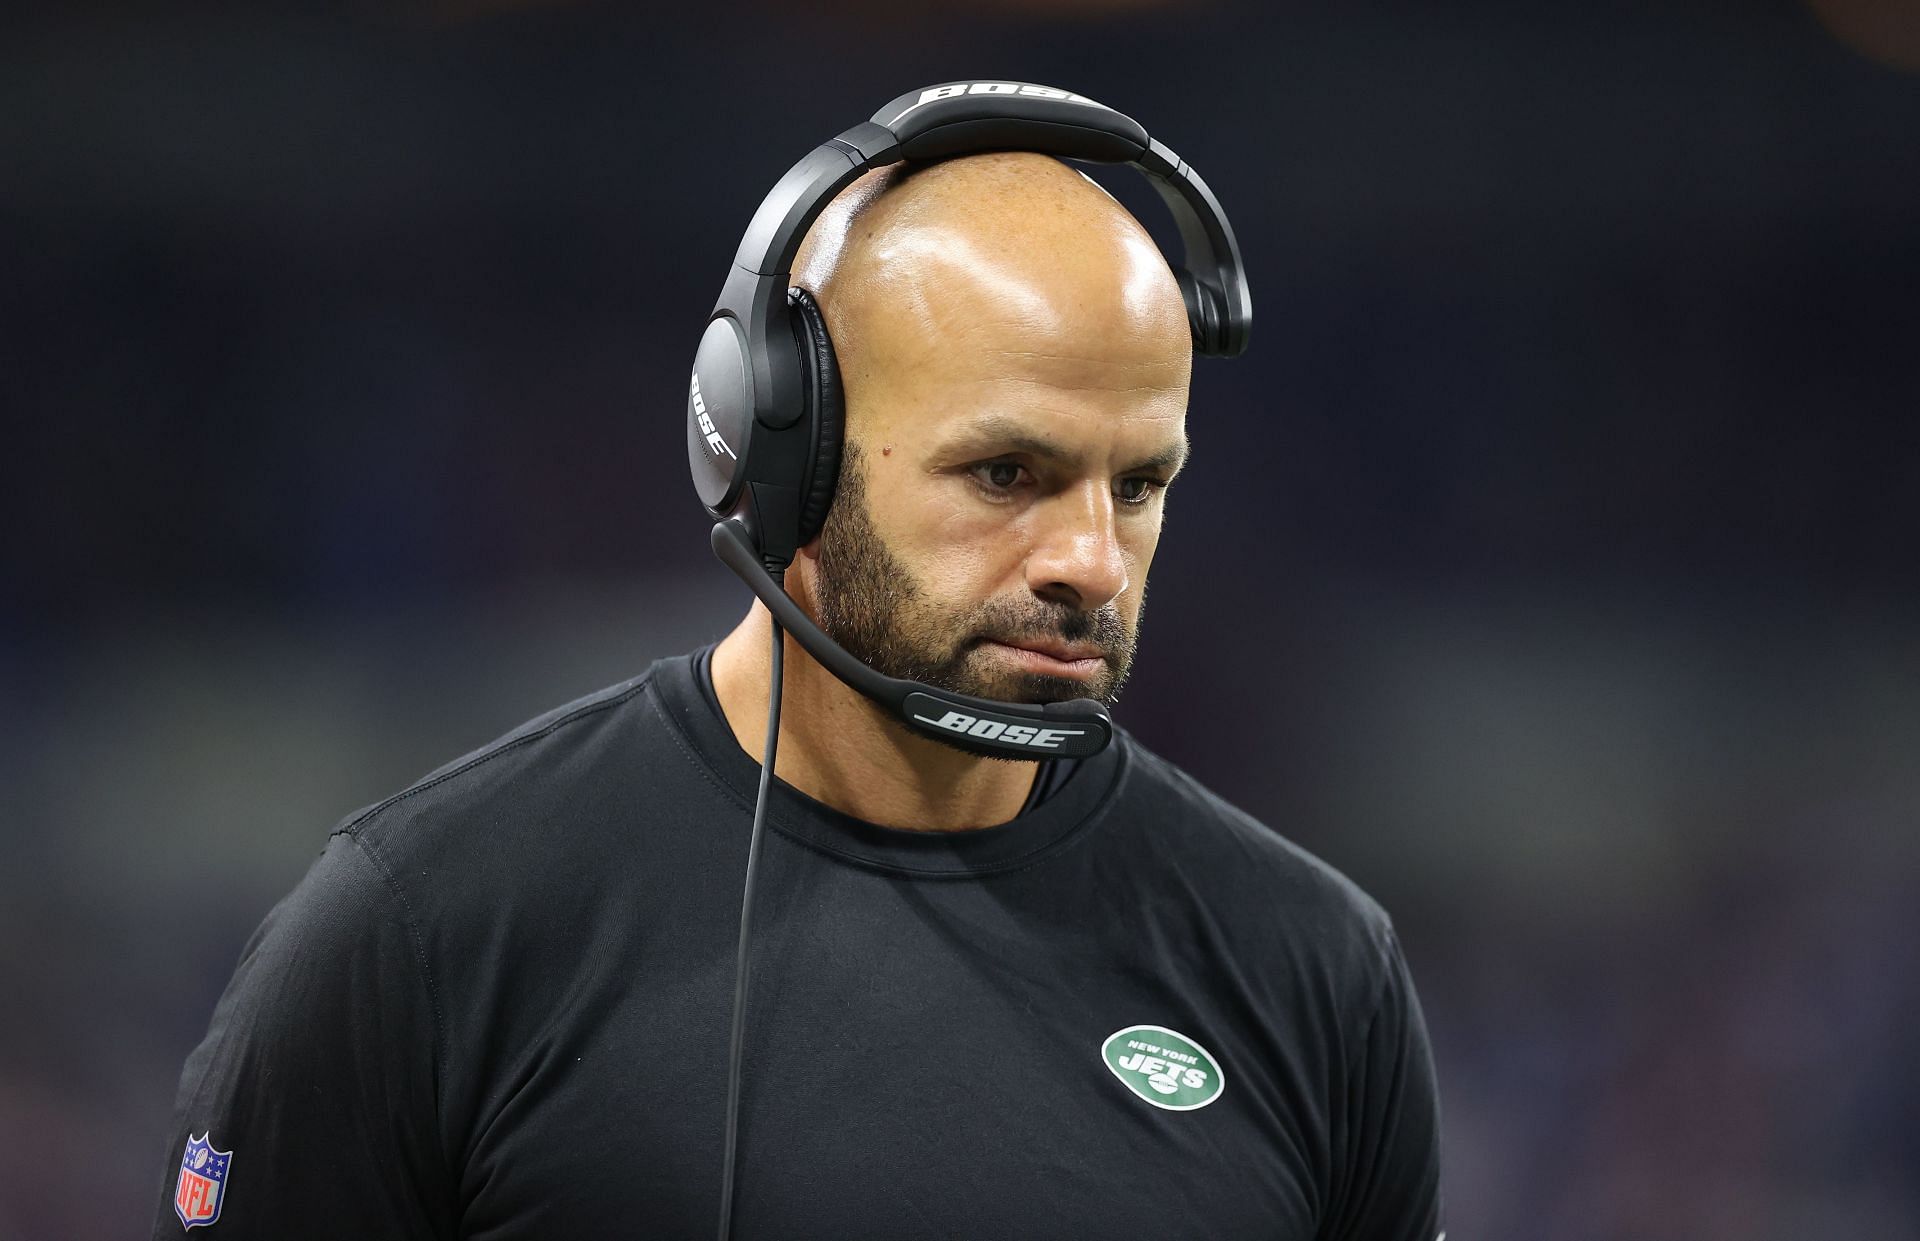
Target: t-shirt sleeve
[309,1108]
[1388,1188]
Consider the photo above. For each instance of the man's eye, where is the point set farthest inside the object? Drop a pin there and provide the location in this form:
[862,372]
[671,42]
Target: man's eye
[998,475]
[1137,490]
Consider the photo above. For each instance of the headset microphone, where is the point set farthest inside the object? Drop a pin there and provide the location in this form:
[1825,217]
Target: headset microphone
[765,418]
[1076,729]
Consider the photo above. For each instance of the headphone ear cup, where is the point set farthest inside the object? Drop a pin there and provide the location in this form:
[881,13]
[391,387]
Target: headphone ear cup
[1204,313]
[826,411]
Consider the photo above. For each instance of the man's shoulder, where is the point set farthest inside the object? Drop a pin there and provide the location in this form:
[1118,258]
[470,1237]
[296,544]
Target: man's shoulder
[1247,863]
[557,756]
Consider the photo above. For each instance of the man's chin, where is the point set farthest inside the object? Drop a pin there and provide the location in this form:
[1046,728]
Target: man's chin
[1059,689]
[1031,687]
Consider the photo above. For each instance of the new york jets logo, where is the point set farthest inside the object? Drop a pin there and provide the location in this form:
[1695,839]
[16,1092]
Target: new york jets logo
[1164,1067]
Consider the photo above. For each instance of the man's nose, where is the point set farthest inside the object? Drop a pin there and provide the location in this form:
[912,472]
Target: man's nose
[1076,557]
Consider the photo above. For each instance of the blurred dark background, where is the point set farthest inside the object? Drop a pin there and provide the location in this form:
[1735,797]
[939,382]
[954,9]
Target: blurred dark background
[1552,552]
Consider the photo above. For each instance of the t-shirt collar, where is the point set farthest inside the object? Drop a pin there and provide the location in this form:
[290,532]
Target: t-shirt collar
[1034,835]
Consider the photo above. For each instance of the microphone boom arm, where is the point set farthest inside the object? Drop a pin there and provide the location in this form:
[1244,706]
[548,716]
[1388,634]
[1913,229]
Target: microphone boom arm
[1077,729]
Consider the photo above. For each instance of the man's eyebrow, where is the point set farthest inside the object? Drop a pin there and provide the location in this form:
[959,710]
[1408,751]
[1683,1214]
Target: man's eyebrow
[1168,460]
[999,434]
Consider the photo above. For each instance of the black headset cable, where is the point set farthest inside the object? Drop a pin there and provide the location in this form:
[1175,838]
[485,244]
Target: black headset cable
[740,962]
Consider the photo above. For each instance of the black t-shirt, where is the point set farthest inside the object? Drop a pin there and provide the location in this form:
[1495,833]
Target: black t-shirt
[498,1007]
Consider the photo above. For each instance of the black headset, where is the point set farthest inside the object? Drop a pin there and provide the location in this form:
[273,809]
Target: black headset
[765,420]
[764,411]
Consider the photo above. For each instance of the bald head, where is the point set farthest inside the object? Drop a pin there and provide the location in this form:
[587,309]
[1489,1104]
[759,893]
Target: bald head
[1008,267]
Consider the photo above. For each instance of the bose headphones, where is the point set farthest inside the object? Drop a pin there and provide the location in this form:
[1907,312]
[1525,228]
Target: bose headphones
[764,409]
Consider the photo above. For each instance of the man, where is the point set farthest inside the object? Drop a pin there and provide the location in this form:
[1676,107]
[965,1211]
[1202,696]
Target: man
[992,998]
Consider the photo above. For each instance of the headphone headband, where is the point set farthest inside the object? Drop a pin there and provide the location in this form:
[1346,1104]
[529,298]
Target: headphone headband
[967,118]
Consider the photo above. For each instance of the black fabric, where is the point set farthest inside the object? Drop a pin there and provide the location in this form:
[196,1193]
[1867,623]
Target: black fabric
[497,1007]
[1048,781]
[827,411]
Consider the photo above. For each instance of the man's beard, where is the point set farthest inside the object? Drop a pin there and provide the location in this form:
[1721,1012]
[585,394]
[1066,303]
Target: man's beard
[873,607]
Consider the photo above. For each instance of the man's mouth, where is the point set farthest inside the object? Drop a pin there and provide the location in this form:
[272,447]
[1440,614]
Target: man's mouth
[1051,656]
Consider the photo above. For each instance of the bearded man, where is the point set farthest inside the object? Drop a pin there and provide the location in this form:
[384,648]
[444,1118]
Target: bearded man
[994,997]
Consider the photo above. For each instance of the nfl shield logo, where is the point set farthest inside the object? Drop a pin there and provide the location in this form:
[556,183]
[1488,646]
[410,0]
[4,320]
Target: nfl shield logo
[202,1190]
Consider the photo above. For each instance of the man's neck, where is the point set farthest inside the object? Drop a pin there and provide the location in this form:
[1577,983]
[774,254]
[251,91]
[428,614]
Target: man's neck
[839,748]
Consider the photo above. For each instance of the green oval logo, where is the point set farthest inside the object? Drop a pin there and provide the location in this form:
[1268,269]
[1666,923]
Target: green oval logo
[1164,1067]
